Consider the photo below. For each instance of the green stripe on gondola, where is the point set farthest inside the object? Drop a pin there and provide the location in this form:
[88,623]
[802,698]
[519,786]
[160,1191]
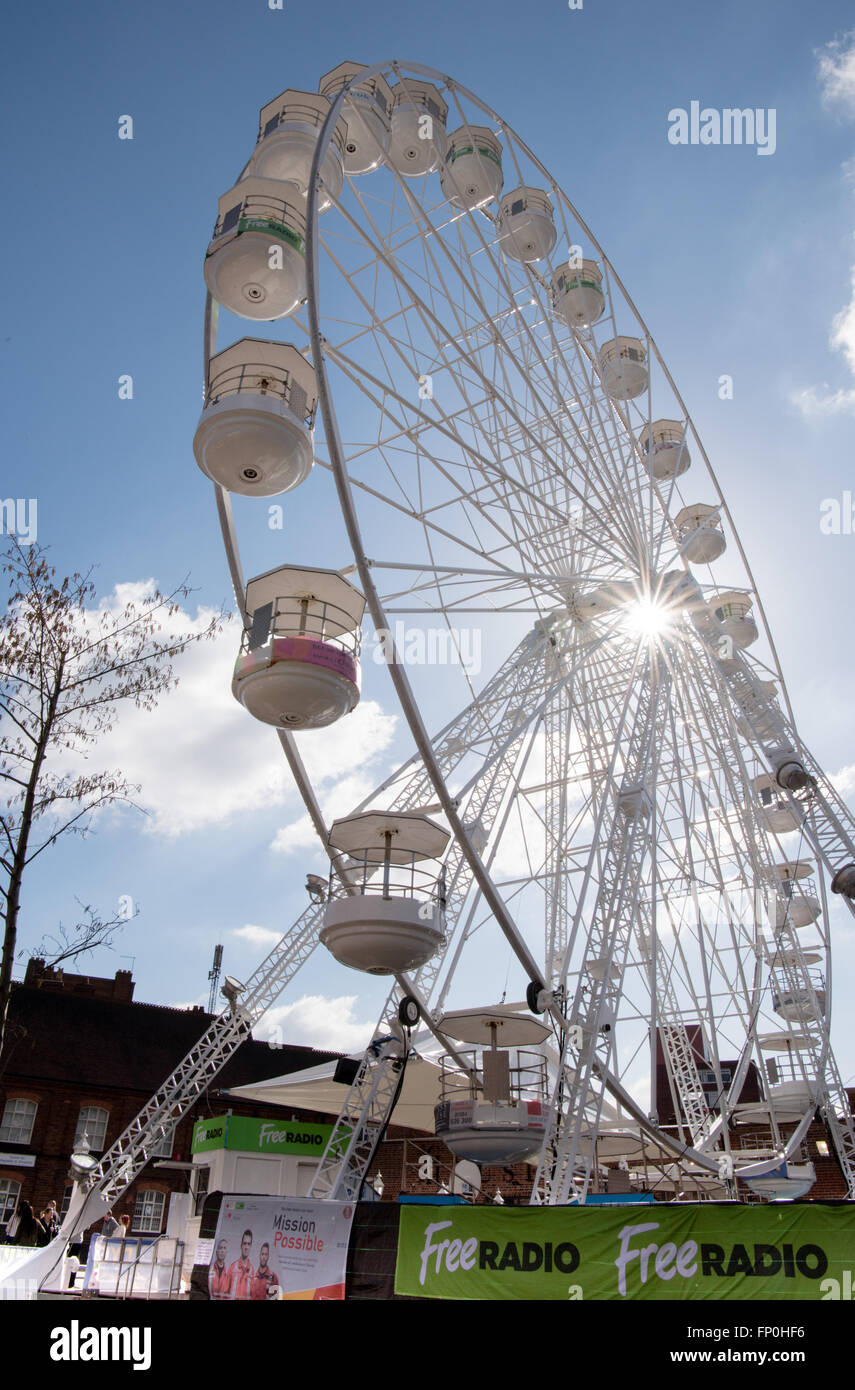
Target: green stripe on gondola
[585,285]
[470,149]
[264,224]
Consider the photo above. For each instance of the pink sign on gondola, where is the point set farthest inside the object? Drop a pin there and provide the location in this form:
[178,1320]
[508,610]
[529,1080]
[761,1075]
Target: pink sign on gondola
[315,653]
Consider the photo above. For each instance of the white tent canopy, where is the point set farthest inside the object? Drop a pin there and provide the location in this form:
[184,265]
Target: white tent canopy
[314,1089]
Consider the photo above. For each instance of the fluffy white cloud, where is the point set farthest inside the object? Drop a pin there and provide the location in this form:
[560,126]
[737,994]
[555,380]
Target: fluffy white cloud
[836,68]
[844,780]
[340,800]
[813,402]
[258,936]
[317,1021]
[843,329]
[837,82]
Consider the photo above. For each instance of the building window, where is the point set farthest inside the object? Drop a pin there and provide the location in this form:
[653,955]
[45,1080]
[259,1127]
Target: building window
[18,1120]
[66,1198]
[164,1146]
[10,1191]
[92,1121]
[148,1213]
[200,1188]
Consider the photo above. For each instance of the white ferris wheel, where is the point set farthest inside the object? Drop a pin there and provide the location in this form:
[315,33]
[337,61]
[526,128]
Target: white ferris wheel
[623,802]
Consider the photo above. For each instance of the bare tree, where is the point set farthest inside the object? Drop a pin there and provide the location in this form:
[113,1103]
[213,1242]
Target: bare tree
[65,669]
[88,933]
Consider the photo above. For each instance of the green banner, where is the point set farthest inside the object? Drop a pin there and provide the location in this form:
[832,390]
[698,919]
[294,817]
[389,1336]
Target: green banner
[259,1136]
[673,1251]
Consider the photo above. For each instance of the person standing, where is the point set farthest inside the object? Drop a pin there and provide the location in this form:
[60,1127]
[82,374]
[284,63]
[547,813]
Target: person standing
[241,1272]
[264,1279]
[219,1278]
[50,1218]
[30,1230]
[110,1226]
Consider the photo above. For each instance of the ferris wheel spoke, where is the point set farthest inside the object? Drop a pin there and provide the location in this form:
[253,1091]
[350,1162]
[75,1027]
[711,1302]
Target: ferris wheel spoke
[535,359]
[483,377]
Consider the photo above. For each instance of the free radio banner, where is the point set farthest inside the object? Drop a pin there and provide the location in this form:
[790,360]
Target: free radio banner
[272,1248]
[780,1251]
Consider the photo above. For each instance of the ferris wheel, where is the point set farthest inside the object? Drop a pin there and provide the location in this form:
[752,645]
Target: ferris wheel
[617,823]
[623,805]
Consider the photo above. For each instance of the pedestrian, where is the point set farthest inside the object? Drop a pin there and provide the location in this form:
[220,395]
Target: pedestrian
[53,1222]
[110,1227]
[30,1230]
[50,1230]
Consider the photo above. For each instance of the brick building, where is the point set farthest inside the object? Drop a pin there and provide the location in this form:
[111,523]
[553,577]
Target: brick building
[81,1055]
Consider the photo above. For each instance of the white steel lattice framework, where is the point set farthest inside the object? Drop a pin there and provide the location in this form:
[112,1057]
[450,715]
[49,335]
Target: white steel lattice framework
[601,785]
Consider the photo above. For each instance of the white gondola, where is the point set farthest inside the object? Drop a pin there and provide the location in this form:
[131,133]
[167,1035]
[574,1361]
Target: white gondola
[255,264]
[796,1004]
[288,131]
[623,366]
[789,1094]
[761,714]
[526,225]
[419,138]
[472,171]
[784,1184]
[794,907]
[495,1110]
[577,295]
[701,537]
[366,113]
[663,444]
[255,434]
[732,611]
[298,667]
[395,918]
[777,812]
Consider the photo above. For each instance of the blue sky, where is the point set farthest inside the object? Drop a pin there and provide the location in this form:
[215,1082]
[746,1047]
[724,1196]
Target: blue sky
[740,264]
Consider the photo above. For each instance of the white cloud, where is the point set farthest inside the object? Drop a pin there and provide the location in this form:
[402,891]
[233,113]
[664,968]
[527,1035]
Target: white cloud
[202,760]
[843,329]
[836,63]
[258,936]
[836,68]
[340,800]
[812,403]
[317,1021]
[844,780]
